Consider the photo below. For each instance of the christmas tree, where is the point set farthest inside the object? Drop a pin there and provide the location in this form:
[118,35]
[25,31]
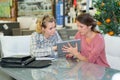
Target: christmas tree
[108,16]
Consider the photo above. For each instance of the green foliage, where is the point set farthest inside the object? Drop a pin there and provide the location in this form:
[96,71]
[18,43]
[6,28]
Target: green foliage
[108,16]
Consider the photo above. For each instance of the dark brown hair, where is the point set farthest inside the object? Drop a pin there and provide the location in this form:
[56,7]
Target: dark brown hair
[87,19]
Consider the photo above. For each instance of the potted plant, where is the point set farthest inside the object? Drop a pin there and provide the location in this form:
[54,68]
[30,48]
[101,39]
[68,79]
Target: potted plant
[108,16]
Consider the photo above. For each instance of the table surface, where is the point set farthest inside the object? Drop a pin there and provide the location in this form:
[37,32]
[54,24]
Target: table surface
[62,69]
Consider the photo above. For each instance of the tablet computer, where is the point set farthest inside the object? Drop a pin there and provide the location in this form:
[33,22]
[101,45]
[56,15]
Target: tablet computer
[61,44]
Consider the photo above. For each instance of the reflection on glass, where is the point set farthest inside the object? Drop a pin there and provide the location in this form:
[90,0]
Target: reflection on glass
[42,75]
[80,70]
[91,71]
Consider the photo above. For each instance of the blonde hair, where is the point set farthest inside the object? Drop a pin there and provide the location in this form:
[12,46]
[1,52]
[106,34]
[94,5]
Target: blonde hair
[38,25]
[42,23]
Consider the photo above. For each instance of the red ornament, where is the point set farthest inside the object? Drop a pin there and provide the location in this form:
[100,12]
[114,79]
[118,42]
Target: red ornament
[74,3]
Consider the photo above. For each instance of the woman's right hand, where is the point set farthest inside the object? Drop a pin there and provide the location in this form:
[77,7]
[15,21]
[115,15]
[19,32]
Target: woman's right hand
[54,48]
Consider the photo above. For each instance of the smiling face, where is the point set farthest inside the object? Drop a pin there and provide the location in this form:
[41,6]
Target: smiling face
[48,26]
[82,28]
[50,29]
[85,23]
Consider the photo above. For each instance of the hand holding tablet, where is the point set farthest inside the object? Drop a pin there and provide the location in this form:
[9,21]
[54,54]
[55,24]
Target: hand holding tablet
[67,43]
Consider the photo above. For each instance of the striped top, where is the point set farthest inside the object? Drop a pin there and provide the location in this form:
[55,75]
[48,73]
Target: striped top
[38,42]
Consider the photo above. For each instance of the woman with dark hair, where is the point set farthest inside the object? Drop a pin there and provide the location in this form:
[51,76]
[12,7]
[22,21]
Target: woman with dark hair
[92,42]
[44,37]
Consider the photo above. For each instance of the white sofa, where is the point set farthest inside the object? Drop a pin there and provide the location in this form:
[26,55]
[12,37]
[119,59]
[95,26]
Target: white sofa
[112,47]
[15,45]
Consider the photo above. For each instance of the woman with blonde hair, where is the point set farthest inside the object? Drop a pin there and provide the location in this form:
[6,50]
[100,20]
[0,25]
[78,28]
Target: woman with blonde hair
[45,36]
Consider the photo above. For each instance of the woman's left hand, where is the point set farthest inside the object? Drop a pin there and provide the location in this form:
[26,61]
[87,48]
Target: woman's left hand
[71,49]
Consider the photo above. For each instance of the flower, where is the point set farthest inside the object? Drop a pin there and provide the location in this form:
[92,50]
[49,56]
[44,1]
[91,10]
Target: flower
[108,16]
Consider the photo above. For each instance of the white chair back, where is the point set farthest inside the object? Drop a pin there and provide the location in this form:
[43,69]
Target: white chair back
[15,45]
[112,47]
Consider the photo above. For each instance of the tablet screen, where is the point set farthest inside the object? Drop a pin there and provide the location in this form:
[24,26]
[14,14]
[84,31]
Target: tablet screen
[72,42]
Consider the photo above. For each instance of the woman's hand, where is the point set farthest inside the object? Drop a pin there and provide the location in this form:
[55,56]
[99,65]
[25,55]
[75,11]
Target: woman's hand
[73,52]
[54,48]
[71,49]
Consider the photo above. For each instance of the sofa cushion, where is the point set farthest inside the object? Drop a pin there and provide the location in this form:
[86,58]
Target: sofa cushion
[112,45]
[15,45]
[112,48]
